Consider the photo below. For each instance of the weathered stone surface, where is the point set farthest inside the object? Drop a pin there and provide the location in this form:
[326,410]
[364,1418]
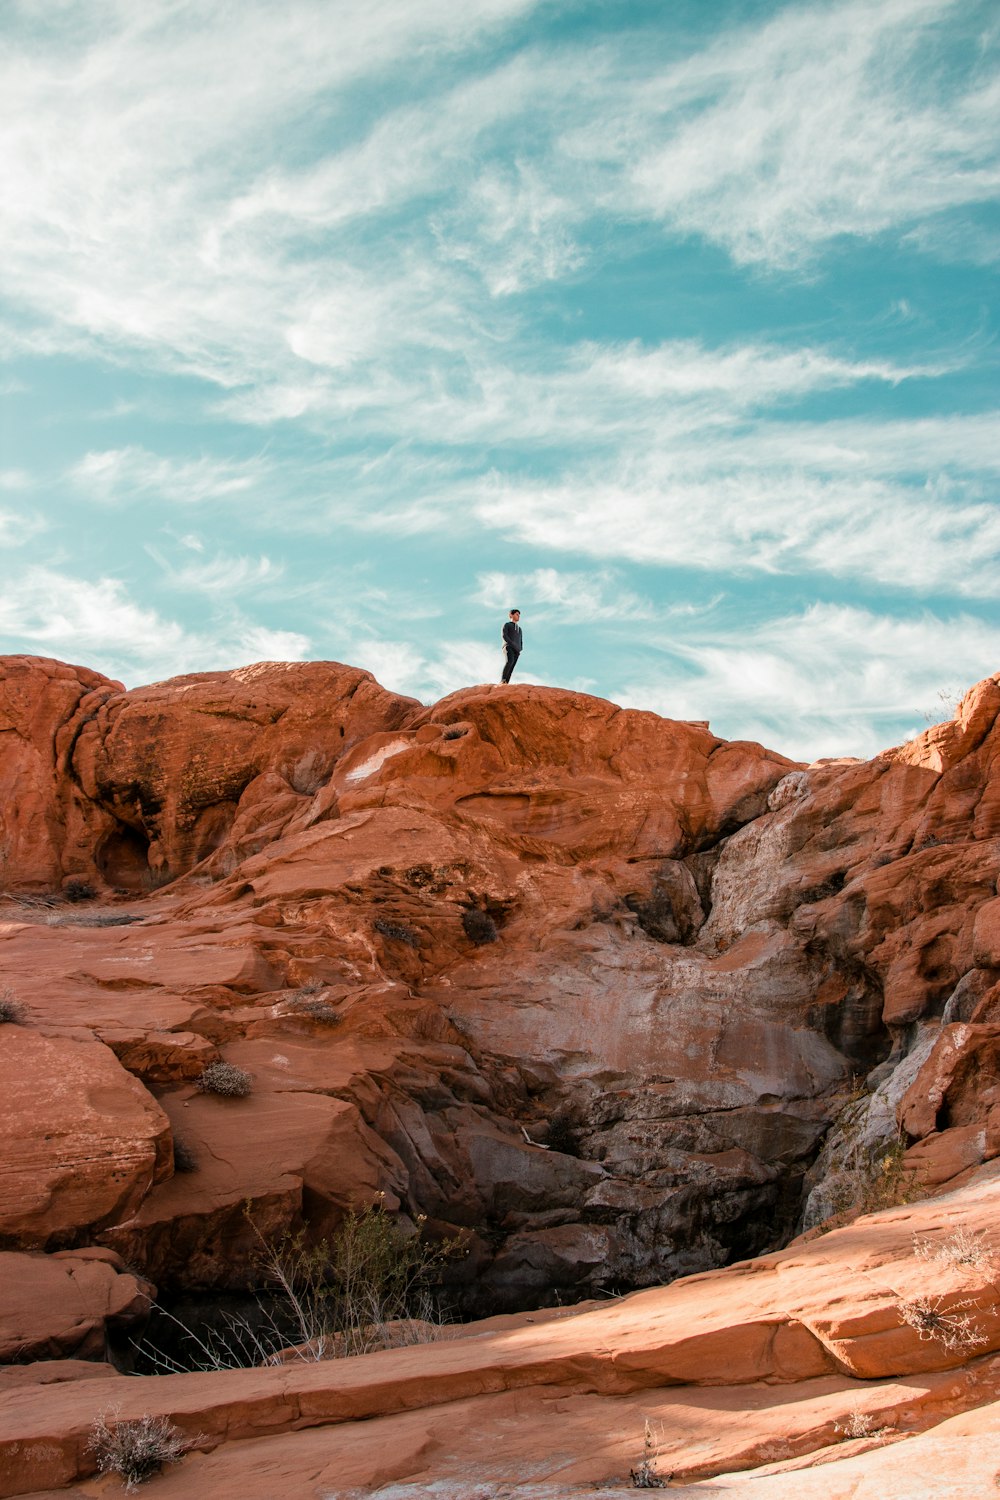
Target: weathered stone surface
[81,1141]
[65,1305]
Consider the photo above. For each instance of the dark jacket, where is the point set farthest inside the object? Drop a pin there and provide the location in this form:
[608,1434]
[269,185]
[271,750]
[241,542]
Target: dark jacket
[512,637]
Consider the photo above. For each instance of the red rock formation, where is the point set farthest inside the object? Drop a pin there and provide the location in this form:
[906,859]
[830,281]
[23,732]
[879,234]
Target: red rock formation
[814,1354]
[586,985]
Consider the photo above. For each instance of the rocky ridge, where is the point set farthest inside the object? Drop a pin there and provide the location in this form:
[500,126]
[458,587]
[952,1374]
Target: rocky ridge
[586,986]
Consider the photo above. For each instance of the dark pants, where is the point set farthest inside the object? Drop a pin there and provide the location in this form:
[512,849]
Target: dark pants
[512,656]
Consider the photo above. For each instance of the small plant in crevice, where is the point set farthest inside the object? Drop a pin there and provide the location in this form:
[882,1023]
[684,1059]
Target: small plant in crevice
[645,1475]
[479,926]
[858,1424]
[396,932]
[878,1179]
[947,1324]
[12,1012]
[93,919]
[227,1080]
[309,1001]
[562,1136]
[185,1156]
[137,1449]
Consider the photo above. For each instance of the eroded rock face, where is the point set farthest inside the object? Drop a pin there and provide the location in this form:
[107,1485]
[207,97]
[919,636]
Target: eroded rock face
[66,1305]
[82,1143]
[584,985]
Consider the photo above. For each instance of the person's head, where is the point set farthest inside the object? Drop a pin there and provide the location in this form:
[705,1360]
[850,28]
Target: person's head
[515,614]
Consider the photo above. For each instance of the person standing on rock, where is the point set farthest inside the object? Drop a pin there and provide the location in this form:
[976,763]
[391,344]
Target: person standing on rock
[513,642]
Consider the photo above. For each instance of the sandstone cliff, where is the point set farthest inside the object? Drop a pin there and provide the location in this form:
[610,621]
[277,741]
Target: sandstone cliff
[612,998]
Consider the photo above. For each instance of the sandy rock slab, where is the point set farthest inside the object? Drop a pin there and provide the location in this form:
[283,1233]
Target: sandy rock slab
[62,1306]
[81,1140]
[766,1363]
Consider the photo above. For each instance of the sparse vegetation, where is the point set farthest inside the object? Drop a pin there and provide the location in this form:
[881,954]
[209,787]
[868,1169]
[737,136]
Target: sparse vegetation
[308,1001]
[950,1325]
[965,1247]
[92,919]
[369,1286]
[78,890]
[858,1424]
[877,1179]
[185,1157]
[479,926]
[646,1476]
[226,1079]
[12,1012]
[395,932]
[135,1450]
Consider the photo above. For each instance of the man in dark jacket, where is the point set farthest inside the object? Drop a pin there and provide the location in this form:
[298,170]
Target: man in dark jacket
[512,642]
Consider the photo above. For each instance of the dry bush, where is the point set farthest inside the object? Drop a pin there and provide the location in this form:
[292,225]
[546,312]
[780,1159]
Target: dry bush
[226,1079]
[948,1325]
[78,890]
[479,926]
[135,1450]
[645,1476]
[185,1156]
[308,1002]
[12,1012]
[92,919]
[368,1287]
[396,932]
[963,1248]
[877,1180]
[858,1424]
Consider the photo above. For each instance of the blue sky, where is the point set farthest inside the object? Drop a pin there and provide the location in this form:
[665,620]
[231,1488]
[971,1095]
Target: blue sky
[332,330]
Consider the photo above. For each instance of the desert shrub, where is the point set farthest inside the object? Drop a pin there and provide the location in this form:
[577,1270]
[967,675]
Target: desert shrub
[369,1286]
[562,1136]
[965,1247]
[93,919]
[346,1290]
[78,890]
[12,1012]
[185,1156]
[135,1450]
[950,1325]
[645,1476]
[878,1179]
[226,1079]
[858,1424]
[479,926]
[395,932]
[308,1001]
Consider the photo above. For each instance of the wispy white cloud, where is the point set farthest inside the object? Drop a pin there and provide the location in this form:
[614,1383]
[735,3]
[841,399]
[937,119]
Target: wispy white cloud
[19,526]
[784,498]
[549,593]
[223,574]
[398,665]
[121,475]
[824,121]
[831,680]
[98,623]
